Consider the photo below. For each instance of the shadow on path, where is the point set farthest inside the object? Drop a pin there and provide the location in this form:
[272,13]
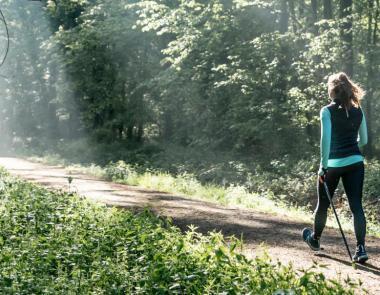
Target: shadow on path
[364,267]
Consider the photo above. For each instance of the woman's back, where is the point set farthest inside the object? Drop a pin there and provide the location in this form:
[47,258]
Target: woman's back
[345,126]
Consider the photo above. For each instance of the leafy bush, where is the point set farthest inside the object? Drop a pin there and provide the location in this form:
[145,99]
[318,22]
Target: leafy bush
[371,193]
[52,242]
[295,183]
[119,171]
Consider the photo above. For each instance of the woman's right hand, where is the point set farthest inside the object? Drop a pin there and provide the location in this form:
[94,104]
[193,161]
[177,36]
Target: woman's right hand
[321,174]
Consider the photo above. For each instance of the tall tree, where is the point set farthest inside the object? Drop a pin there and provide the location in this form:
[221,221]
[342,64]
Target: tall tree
[314,15]
[327,9]
[347,37]
[372,32]
[284,17]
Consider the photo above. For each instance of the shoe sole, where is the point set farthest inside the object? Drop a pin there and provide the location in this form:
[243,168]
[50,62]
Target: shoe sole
[307,242]
[361,259]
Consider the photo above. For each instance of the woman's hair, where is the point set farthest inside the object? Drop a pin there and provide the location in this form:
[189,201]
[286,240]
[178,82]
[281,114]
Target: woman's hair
[340,86]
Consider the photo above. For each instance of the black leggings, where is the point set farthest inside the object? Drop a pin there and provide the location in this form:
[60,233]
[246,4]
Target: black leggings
[352,177]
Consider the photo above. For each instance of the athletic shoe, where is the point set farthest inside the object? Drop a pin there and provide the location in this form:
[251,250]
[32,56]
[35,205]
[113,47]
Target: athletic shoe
[307,235]
[360,254]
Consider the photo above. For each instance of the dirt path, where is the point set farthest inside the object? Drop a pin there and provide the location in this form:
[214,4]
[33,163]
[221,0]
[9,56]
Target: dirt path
[281,235]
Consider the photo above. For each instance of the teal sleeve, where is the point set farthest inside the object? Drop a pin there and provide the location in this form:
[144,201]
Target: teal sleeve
[363,133]
[325,118]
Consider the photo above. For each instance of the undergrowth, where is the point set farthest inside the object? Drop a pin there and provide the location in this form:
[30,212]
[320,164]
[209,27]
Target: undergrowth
[284,195]
[56,243]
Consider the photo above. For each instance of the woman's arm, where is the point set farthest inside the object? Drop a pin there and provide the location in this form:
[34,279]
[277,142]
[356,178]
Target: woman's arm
[325,118]
[363,135]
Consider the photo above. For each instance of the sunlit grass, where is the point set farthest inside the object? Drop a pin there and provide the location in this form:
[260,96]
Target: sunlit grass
[93,170]
[187,185]
[51,159]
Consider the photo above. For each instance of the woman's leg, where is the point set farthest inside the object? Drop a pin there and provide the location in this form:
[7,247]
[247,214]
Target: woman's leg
[353,186]
[332,178]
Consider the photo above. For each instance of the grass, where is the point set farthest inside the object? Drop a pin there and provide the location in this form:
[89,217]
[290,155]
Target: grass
[187,185]
[184,184]
[58,243]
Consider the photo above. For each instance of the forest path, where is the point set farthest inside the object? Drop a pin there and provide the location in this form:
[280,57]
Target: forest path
[280,235]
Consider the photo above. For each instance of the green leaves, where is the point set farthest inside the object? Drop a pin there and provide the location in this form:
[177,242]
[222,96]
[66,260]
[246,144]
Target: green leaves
[81,247]
[213,74]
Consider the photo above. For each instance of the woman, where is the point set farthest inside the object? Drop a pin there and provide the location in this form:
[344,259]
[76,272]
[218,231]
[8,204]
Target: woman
[341,123]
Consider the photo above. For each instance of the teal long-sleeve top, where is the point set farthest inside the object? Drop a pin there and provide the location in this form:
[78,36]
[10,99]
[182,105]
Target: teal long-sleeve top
[325,118]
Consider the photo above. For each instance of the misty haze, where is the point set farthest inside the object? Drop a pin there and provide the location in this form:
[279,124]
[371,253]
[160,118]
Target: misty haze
[174,147]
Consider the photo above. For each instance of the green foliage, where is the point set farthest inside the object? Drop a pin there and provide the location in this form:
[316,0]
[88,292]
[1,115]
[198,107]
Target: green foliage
[53,242]
[221,74]
[218,74]
[120,171]
[371,195]
[65,13]
[227,91]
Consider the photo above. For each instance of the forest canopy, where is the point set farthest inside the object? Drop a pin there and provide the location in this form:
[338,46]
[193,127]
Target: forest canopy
[241,76]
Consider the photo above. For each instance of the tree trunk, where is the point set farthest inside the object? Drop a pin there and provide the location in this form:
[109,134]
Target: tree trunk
[314,16]
[327,9]
[284,17]
[346,35]
[130,132]
[371,44]
[168,126]
[301,8]
[295,23]
[140,133]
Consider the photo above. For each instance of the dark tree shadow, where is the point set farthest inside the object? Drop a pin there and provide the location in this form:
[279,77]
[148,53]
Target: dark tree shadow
[364,267]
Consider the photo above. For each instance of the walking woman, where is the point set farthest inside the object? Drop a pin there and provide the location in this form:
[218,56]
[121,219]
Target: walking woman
[343,131]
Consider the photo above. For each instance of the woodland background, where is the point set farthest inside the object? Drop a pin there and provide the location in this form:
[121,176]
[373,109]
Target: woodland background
[226,90]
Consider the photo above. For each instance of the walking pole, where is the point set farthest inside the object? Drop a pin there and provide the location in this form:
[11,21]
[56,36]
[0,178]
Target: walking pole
[337,219]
